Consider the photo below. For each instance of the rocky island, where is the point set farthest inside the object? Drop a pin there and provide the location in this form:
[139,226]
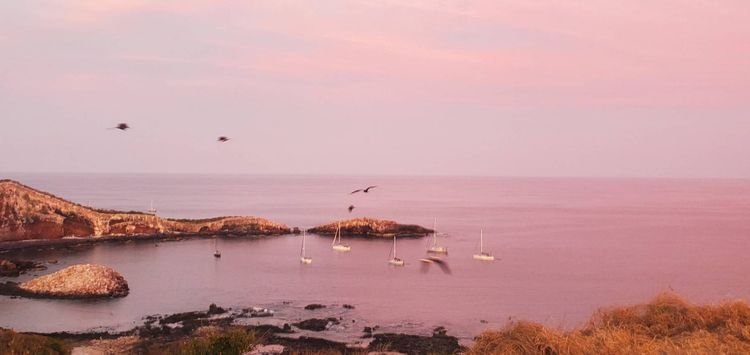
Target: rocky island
[27,213]
[370,227]
[77,281]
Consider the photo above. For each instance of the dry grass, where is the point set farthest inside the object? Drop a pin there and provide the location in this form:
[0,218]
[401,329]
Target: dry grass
[666,325]
[231,342]
[13,343]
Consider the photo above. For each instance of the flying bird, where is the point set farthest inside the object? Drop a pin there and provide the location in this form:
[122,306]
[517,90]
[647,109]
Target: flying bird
[223,139]
[426,262]
[121,126]
[351,208]
[365,190]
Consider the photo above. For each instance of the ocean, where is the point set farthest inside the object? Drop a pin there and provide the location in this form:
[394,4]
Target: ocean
[565,247]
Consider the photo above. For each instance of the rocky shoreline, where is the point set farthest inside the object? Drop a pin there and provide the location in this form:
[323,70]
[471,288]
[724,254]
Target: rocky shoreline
[167,333]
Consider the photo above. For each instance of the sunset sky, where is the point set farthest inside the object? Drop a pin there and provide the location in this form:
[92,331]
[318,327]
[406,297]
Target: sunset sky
[509,88]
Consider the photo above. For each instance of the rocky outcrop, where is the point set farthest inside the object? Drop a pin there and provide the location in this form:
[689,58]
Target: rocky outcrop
[77,281]
[27,213]
[316,324]
[14,268]
[370,227]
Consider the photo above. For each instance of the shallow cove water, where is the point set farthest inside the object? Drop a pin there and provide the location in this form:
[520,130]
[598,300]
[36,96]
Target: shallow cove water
[565,247]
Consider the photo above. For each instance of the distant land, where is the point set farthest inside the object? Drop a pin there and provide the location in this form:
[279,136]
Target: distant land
[27,213]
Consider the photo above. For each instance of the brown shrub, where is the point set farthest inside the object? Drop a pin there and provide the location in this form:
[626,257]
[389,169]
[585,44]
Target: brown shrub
[666,325]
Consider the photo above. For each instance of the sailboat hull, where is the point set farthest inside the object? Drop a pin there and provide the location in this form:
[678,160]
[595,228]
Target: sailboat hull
[342,248]
[484,257]
[396,262]
[305,260]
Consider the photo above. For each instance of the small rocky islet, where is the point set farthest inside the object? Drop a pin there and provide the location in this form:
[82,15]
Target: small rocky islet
[371,228]
[74,282]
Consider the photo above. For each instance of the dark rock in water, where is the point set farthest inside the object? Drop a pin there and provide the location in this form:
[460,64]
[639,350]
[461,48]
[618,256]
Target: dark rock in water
[414,344]
[271,329]
[368,332]
[214,309]
[348,306]
[316,324]
[181,317]
[14,268]
[439,331]
[314,306]
[8,269]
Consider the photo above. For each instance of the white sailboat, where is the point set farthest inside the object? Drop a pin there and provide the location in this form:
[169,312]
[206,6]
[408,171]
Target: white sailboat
[337,245]
[395,261]
[483,256]
[217,253]
[152,210]
[302,258]
[435,248]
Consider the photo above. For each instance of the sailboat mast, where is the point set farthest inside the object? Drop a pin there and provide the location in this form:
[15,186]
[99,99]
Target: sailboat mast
[303,245]
[434,232]
[394,246]
[481,241]
[337,234]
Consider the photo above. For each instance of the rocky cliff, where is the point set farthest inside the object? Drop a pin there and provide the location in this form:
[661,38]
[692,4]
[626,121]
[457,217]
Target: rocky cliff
[370,227]
[27,213]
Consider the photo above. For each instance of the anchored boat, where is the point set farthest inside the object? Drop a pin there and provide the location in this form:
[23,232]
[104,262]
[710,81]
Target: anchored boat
[217,253]
[395,261]
[337,245]
[435,248]
[302,258]
[483,256]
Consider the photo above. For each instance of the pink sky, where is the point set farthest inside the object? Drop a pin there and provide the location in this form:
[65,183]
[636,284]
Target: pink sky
[529,88]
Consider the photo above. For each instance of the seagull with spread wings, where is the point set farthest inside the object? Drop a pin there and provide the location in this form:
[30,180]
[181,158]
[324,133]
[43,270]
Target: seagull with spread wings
[426,262]
[365,190]
[121,126]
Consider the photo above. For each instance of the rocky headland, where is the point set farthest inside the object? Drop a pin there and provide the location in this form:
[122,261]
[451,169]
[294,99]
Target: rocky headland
[370,227]
[77,281]
[27,213]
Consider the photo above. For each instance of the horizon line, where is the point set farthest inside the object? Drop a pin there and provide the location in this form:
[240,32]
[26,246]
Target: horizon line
[385,175]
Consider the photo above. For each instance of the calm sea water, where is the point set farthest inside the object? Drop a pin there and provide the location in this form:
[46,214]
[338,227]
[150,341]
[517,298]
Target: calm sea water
[565,247]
